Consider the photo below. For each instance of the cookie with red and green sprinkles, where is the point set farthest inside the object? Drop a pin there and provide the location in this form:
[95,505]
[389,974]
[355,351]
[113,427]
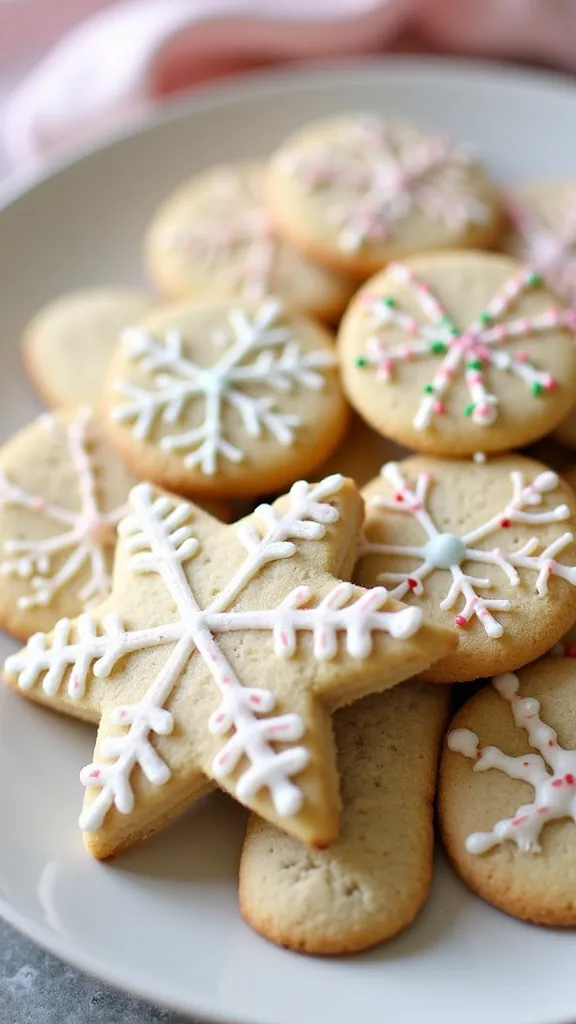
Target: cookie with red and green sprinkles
[455,352]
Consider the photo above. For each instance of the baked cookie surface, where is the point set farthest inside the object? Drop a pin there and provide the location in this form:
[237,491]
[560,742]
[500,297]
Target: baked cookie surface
[486,547]
[213,240]
[68,345]
[225,400]
[453,353]
[355,192]
[63,492]
[507,802]
[373,880]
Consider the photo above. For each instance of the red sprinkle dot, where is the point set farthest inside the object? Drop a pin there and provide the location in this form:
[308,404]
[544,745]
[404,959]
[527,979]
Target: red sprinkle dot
[412,583]
[550,384]
[254,699]
[460,621]
[543,810]
[505,523]
[518,821]
[95,774]
[557,782]
[398,497]
[551,743]
[569,779]
[525,763]
[439,408]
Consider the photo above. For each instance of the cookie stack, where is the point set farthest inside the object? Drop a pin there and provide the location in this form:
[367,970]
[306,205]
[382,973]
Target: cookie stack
[262,654]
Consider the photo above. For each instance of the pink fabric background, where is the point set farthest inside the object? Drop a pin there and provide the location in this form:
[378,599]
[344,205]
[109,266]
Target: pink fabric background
[72,69]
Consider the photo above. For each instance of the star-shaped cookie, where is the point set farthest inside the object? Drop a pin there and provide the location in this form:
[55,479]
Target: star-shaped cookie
[218,658]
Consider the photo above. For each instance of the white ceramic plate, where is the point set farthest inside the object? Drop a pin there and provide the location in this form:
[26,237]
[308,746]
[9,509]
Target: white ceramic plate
[163,920]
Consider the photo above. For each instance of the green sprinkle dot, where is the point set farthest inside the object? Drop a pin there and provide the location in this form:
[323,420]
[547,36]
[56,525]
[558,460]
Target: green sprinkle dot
[361,362]
[474,364]
[485,319]
[536,388]
[391,303]
[428,389]
[534,280]
[438,347]
[453,331]
[469,409]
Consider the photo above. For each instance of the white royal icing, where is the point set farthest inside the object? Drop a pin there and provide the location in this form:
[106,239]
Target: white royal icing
[262,354]
[159,535]
[375,174]
[552,773]
[450,552]
[465,353]
[83,541]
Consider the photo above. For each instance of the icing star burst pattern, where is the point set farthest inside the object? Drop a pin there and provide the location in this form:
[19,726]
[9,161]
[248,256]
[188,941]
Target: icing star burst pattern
[259,353]
[159,537]
[240,231]
[469,353]
[80,539]
[549,244]
[382,173]
[551,773]
[448,552]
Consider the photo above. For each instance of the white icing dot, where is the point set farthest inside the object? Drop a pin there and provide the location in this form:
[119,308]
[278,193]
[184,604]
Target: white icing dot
[444,550]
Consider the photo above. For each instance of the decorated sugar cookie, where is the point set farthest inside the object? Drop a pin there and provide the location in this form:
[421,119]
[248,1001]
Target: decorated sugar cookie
[488,548]
[375,878]
[356,191]
[62,495]
[212,239]
[508,792]
[217,658]
[224,400]
[454,353]
[68,345]
[543,233]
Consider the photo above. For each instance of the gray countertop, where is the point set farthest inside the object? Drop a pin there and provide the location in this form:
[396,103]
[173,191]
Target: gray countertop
[35,988]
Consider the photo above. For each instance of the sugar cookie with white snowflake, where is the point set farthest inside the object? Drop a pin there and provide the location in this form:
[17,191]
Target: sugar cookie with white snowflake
[218,658]
[507,795]
[489,548]
[373,881]
[67,346]
[355,191]
[225,400]
[453,353]
[63,492]
[212,239]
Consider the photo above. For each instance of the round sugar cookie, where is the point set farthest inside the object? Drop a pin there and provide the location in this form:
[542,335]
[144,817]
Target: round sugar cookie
[355,191]
[67,346]
[488,548]
[507,792]
[457,352]
[542,232]
[225,400]
[212,239]
[62,493]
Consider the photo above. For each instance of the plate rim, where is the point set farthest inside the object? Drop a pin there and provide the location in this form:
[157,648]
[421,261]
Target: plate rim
[233,90]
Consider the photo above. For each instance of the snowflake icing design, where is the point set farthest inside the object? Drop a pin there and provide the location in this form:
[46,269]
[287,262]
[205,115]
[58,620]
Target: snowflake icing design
[471,352]
[384,172]
[448,552]
[239,233]
[261,354]
[159,536]
[85,535]
[548,244]
[554,789]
